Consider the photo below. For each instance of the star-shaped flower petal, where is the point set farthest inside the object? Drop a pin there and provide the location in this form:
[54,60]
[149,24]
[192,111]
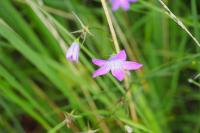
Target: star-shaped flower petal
[117,64]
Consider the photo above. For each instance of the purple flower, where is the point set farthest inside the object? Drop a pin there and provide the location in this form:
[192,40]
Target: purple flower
[73,52]
[125,4]
[117,64]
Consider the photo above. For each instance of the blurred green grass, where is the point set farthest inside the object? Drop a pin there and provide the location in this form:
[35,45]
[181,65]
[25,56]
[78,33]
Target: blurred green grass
[38,85]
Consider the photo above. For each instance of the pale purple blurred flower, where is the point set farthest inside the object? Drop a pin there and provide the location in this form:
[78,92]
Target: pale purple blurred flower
[73,52]
[124,4]
[117,64]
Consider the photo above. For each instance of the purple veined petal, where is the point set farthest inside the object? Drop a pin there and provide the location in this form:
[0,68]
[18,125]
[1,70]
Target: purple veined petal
[115,4]
[119,56]
[118,73]
[132,0]
[125,4]
[101,71]
[131,65]
[98,62]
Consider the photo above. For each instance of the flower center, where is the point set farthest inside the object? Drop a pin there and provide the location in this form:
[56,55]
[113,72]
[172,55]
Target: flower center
[116,64]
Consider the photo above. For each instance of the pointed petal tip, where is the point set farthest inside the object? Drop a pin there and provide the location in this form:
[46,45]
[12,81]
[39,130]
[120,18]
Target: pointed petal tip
[131,65]
[121,55]
[94,60]
[93,75]
[140,65]
[124,51]
[98,62]
[121,79]
[101,71]
[118,74]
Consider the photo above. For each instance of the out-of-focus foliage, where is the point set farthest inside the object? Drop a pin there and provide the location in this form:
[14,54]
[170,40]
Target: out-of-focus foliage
[38,86]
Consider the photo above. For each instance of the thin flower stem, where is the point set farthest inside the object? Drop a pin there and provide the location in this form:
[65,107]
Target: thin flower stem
[112,30]
[178,21]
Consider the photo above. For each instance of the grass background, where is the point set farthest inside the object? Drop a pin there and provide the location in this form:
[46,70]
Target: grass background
[38,86]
